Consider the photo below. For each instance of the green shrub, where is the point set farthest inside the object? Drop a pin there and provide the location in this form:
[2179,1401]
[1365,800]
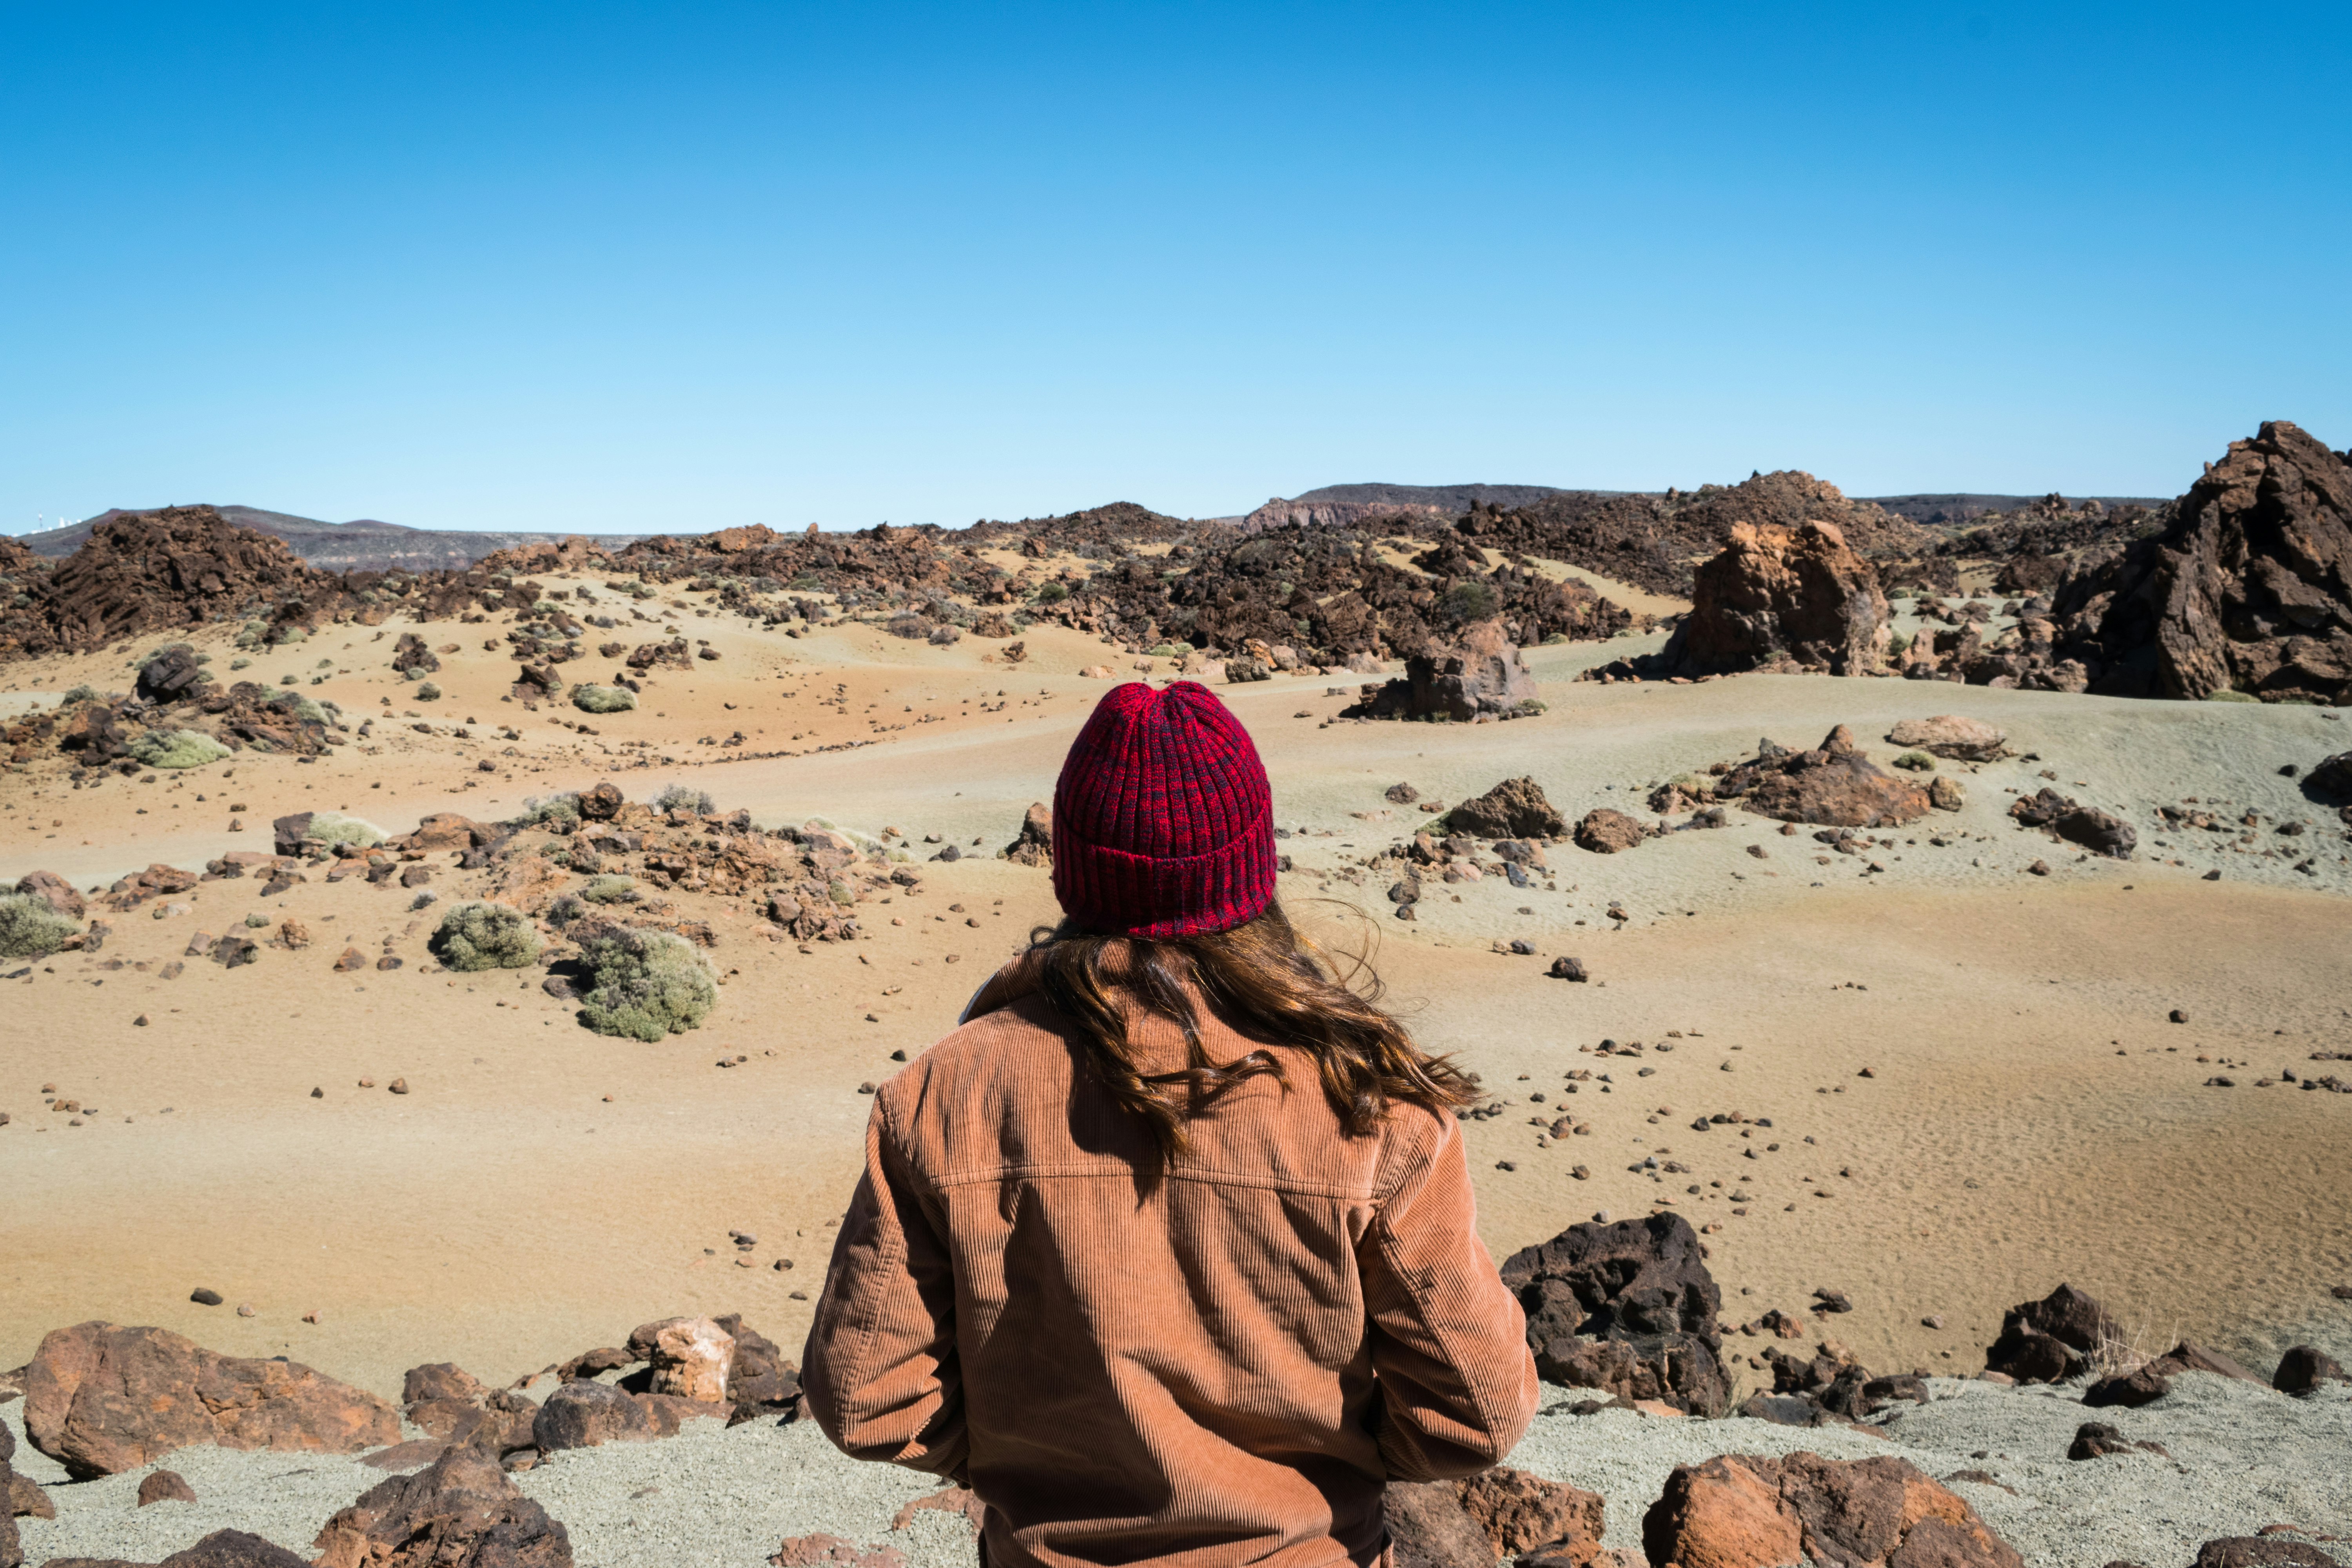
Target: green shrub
[79,694]
[1917,762]
[428,693]
[549,808]
[255,921]
[608,889]
[236,663]
[1897,645]
[333,828]
[1052,593]
[177,748]
[591,698]
[486,936]
[2229,695]
[564,911]
[1469,600]
[647,984]
[29,927]
[250,635]
[683,797]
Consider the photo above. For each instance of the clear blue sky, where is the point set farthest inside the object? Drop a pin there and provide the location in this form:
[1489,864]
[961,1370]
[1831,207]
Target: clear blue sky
[645,266]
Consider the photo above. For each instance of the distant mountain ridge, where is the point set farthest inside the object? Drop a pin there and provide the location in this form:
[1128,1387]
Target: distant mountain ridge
[363,544]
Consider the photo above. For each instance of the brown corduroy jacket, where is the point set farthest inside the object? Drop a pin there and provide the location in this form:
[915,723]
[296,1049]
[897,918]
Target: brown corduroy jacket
[1224,1366]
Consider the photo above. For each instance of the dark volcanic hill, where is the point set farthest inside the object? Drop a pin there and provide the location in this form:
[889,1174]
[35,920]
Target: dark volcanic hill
[1344,506]
[363,544]
[1946,510]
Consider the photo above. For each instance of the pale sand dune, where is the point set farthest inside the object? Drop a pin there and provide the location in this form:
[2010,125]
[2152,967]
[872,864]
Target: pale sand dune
[480,1219]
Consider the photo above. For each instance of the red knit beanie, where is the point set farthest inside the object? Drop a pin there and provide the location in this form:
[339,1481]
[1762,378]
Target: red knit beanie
[1163,822]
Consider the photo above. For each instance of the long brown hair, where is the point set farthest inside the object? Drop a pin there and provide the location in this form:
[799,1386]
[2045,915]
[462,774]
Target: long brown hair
[1263,979]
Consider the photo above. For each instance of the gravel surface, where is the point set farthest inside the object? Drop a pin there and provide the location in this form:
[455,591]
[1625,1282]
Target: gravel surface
[2242,1458]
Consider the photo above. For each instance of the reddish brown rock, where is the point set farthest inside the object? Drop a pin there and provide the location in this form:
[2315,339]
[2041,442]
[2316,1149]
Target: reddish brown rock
[1516,808]
[1833,785]
[100,1399]
[602,803]
[2263,1551]
[178,566]
[461,1511]
[1783,598]
[691,1358]
[2306,1369]
[1033,845]
[164,1485]
[1518,1512]
[1951,735]
[1741,1510]
[1606,831]
[221,1549]
[52,890]
[822,1551]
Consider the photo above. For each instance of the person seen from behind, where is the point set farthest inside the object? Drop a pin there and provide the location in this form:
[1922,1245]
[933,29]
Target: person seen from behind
[1169,1252]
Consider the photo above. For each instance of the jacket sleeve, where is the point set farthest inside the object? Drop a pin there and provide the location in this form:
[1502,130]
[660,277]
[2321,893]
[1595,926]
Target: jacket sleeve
[1449,1346]
[880,1368]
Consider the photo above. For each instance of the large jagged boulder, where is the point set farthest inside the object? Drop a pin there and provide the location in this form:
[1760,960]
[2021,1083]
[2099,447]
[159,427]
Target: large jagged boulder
[221,1549]
[1744,1510]
[180,566]
[2250,589]
[1951,735]
[1516,808]
[459,1510]
[1783,598]
[1627,1307]
[1832,786]
[100,1399]
[1033,845]
[1481,676]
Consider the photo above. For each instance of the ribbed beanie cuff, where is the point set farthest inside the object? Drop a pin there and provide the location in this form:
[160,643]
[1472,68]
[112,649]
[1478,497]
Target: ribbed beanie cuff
[1163,820]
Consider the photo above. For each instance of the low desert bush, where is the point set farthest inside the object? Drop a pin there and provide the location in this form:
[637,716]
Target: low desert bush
[177,748]
[684,797]
[608,889]
[428,693]
[486,936]
[1917,761]
[333,828]
[591,698]
[645,984]
[29,927]
[549,808]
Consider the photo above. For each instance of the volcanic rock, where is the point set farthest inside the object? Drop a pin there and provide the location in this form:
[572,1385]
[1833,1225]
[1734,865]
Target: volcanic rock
[1832,786]
[1628,1308]
[1033,845]
[52,890]
[1951,735]
[180,566]
[692,1358]
[1605,831]
[2248,589]
[1516,808]
[601,803]
[164,1485]
[2048,1340]
[2263,1551]
[584,1414]
[2306,1369]
[100,1399]
[1783,598]
[1482,674]
[221,1549]
[1741,1510]
[2095,830]
[1566,968]
[173,675]
[462,1512]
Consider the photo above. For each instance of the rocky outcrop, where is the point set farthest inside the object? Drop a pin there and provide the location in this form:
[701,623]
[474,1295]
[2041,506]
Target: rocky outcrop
[461,1511]
[2050,1340]
[100,1399]
[1780,598]
[1833,785]
[451,1404]
[2249,589]
[2307,1369]
[1628,1308]
[1516,808]
[1743,1510]
[691,1358]
[1481,676]
[12,1548]
[52,890]
[147,571]
[1033,845]
[2263,1551]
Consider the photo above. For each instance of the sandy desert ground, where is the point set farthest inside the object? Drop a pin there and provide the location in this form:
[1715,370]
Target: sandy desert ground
[2030,1114]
